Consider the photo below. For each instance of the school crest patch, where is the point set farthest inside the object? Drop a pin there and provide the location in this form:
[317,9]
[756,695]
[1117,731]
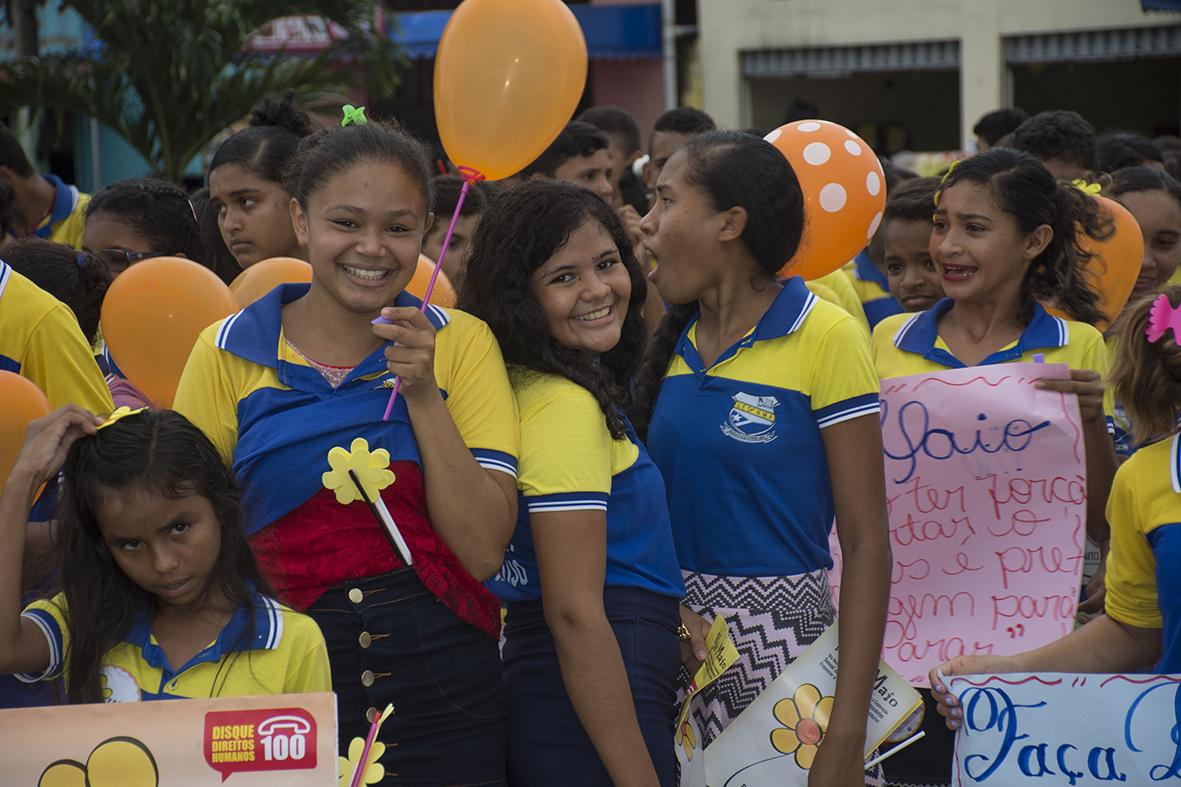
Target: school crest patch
[751,418]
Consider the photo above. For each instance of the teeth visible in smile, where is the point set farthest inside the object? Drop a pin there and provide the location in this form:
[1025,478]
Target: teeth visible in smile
[595,315]
[364,273]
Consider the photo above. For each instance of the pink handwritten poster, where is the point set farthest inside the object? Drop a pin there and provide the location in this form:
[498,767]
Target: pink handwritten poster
[986,494]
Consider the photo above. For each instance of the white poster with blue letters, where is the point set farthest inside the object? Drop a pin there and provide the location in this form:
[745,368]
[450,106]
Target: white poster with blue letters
[1068,730]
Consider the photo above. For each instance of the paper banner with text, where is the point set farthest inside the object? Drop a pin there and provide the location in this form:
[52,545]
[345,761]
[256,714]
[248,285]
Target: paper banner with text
[287,740]
[1068,730]
[774,741]
[986,495]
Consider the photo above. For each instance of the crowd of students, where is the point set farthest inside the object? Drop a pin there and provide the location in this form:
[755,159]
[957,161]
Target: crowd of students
[630,425]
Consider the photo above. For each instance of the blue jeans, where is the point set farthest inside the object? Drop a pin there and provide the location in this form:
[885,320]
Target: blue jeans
[394,642]
[547,745]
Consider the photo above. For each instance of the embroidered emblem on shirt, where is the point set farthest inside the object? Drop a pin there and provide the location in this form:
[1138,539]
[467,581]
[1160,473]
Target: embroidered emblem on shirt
[118,685]
[751,419]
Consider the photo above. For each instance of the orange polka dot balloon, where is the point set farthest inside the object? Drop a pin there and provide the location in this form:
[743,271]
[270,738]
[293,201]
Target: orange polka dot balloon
[844,193]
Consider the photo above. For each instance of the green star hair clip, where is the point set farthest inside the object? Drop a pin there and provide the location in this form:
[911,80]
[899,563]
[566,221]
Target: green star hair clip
[353,116]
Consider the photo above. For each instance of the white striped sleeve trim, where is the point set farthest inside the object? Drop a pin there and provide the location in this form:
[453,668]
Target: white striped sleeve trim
[846,415]
[488,463]
[1175,457]
[55,654]
[545,507]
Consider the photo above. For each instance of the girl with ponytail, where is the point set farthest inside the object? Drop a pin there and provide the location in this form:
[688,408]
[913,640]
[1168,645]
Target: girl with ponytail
[760,404]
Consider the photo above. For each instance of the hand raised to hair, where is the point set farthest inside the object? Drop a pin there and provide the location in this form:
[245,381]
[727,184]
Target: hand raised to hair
[48,440]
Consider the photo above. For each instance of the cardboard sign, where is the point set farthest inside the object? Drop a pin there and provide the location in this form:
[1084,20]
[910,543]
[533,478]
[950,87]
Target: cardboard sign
[1069,730]
[287,740]
[773,742]
[986,492]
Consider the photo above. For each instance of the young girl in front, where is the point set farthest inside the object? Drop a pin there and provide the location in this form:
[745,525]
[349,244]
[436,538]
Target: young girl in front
[303,371]
[591,579]
[246,182]
[761,404]
[160,595]
[1141,631]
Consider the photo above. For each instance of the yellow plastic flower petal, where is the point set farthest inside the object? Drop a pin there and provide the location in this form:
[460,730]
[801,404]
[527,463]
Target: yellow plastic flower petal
[806,755]
[374,771]
[806,697]
[823,712]
[1087,188]
[122,762]
[370,467]
[119,414]
[786,713]
[784,740]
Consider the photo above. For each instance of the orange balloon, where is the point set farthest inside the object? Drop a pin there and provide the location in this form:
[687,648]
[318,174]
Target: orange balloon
[152,315]
[844,193]
[444,294]
[21,401]
[265,275]
[508,77]
[1115,265]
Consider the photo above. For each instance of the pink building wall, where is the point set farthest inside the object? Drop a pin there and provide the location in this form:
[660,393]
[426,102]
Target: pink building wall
[636,85]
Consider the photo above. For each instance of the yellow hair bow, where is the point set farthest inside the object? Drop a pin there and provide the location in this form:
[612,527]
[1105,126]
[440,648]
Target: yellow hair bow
[120,414]
[950,169]
[1087,188]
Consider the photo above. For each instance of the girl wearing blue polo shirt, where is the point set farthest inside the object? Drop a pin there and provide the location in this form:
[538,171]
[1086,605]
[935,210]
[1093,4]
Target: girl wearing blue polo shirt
[763,420]
[591,578]
[161,598]
[1141,631]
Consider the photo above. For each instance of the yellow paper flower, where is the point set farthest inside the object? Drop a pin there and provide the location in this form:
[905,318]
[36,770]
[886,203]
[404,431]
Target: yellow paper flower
[120,414]
[804,718]
[374,770]
[1087,188]
[371,467]
[687,739]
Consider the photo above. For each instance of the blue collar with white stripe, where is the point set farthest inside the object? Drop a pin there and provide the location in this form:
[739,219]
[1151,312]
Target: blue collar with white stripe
[257,627]
[867,271]
[253,333]
[788,311]
[1175,462]
[65,198]
[919,333]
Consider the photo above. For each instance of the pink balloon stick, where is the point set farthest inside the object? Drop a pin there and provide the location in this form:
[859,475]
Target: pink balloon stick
[470,177]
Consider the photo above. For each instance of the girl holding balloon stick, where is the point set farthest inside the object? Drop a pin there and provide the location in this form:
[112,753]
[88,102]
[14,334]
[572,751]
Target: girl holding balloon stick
[304,370]
[739,393]
[591,580]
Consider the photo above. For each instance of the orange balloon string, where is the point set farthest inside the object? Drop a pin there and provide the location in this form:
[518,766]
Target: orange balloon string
[470,177]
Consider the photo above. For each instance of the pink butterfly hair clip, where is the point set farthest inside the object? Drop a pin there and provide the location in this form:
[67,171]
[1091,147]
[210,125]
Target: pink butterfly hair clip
[1163,317]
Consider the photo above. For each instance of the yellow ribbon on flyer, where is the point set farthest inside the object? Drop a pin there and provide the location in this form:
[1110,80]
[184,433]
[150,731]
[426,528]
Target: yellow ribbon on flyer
[721,656]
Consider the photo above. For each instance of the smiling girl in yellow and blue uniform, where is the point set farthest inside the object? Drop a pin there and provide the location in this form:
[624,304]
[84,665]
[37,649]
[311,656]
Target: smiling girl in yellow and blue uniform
[1004,239]
[590,581]
[763,412]
[304,370]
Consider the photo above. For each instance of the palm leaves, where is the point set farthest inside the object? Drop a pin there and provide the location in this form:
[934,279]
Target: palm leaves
[169,75]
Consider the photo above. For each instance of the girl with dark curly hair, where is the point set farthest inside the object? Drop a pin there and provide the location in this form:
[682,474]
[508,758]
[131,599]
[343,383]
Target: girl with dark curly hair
[591,578]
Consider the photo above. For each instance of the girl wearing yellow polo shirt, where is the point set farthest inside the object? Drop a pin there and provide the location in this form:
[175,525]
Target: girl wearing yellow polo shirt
[1004,241]
[1141,631]
[161,598]
[590,579]
[762,412]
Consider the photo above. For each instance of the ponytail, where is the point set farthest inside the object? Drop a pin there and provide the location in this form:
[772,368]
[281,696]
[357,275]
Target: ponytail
[1146,376]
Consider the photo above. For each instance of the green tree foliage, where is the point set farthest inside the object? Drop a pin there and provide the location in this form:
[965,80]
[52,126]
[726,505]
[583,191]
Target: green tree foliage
[172,74]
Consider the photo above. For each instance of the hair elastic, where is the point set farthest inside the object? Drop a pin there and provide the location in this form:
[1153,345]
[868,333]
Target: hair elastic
[353,116]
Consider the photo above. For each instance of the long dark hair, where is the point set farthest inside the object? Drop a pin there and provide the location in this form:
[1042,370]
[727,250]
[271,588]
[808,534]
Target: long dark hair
[1132,180]
[732,169]
[1023,187]
[522,229]
[159,453]
[157,210]
[78,280]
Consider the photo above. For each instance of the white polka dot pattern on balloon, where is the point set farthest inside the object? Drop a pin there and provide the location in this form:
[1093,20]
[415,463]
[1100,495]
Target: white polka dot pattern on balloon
[808,127]
[873,225]
[852,147]
[817,153]
[774,135]
[873,183]
[833,197]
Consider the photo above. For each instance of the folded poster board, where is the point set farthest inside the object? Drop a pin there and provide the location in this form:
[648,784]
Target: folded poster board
[287,740]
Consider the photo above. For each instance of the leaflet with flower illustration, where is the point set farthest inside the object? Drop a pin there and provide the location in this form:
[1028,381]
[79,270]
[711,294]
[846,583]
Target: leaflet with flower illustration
[775,740]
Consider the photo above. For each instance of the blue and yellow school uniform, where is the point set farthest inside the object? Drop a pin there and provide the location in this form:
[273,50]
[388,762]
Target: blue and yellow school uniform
[1144,509]
[67,218]
[739,442]
[570,462]
[873,289]
[908,344]
[263,649]
[40,340]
